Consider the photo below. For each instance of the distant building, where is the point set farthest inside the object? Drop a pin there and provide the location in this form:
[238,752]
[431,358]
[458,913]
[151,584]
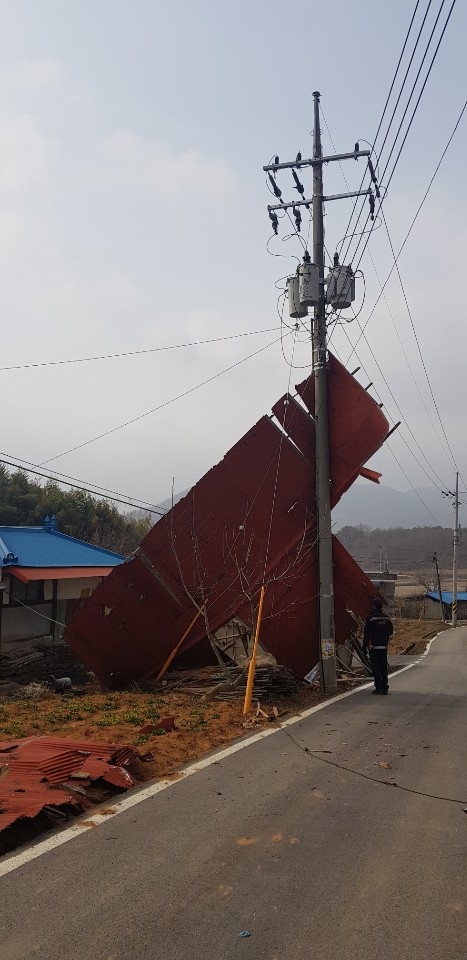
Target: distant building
[45,577]
[384,581]
[432,606]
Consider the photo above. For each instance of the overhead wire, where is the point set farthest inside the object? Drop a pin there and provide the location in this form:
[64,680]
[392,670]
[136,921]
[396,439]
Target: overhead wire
[417,341]
[136,353]
[98,490]
[355,317]
[160,406]
[394,266]
[382,119]
[409,448]
[94,493]
[385,188]
[414,219]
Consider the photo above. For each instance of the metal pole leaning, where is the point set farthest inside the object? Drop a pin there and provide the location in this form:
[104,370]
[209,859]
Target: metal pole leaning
[323,492]
[454,553]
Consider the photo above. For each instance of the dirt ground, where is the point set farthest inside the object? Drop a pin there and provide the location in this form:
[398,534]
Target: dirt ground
[201,726]
[418,632]
[117,718]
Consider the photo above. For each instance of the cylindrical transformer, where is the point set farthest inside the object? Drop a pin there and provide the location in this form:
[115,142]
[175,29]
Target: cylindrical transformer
[296,310]
[340,287]
[308,284]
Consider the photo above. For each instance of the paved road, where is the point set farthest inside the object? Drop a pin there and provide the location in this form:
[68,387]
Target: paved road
[312,859]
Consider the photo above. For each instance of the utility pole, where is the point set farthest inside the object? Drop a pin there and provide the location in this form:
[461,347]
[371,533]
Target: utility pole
[340,298]
[435,561]
[455,501]
[323,483]
[454,553]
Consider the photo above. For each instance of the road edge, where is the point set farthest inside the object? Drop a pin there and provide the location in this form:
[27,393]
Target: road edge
[90,822]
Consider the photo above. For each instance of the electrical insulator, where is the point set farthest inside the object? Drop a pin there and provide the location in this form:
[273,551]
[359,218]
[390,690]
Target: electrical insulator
[340,287]
[296,310]
[308,284]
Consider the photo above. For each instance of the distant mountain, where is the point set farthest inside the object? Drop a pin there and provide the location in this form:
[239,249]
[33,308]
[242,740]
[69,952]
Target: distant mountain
[378,506]
[381,507]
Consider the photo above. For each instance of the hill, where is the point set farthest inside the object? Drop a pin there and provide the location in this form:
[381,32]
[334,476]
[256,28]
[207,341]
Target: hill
[379,506]
[403,549]
[25,502]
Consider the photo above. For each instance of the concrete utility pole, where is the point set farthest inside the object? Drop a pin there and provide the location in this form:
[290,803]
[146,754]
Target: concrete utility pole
[323,492]
[435,561]
[455,501]
[454,553]
[323,484]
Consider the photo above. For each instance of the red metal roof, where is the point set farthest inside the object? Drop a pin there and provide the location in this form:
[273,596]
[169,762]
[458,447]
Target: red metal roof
[250,519]
[43,772]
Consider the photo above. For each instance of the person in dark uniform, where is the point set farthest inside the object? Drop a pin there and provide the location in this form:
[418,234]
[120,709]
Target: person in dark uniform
[376,635]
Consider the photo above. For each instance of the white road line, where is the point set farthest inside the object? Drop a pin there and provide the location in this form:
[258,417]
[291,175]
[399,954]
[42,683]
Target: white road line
[90,820]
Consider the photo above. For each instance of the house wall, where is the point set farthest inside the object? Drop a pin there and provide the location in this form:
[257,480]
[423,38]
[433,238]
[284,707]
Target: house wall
[20,623]
[24,624]
[433,610]
[73,589]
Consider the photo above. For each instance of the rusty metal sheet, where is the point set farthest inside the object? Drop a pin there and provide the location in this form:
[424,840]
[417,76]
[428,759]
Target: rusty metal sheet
[357,425]
[33,771]
[250,519]
[203,541]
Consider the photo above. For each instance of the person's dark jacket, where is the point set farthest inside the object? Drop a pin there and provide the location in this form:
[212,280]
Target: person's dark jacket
[378,630]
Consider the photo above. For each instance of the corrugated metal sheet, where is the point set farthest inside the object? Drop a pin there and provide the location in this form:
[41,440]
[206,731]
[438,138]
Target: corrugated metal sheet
[33,774]
[446,596]
[250,519]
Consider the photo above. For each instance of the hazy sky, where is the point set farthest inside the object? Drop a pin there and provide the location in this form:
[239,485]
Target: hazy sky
[133,216]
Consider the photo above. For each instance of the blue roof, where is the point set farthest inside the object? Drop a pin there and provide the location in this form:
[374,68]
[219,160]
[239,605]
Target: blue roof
[47,547]
[446,596]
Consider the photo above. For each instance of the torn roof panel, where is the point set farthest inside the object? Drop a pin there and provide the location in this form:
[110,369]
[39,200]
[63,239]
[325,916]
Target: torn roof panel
[250,519]
[33,769]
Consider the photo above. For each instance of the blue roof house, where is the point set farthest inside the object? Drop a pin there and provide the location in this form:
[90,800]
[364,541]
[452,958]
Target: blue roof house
[45,576]
[432,604]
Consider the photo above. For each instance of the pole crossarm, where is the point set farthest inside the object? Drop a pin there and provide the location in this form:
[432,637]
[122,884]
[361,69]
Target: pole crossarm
[307,203]
[272,167]
[343,196]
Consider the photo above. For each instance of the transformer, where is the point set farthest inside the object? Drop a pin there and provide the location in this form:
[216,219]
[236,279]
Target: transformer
[308,284]
[296,310]
[340,287]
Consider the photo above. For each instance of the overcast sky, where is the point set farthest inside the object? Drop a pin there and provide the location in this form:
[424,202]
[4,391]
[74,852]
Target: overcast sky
[133,216]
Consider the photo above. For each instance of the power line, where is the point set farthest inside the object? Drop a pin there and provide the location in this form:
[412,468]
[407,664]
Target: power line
[395,267]
[397,256]
[399,412]
[98,490]
[427,191]
[48,476]
[418,343]
[406,444]
[384,113]
[161,406]
[394,322]
[386,186]
[136,353]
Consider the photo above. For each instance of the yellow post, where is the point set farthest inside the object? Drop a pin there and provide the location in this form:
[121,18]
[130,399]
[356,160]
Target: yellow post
[177,648]
[252,667]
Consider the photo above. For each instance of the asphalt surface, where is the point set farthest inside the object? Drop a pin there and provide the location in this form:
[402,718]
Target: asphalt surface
[309,858]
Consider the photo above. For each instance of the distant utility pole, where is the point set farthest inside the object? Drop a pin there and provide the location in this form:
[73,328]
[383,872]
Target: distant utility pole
[435,561]
[455,496]
[311,291]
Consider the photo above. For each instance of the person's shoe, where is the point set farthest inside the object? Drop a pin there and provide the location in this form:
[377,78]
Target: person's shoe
[385,693]
[376,691]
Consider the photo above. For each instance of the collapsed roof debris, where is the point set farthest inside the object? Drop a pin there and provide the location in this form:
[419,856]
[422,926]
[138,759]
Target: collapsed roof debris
[50,774]
[250,520]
